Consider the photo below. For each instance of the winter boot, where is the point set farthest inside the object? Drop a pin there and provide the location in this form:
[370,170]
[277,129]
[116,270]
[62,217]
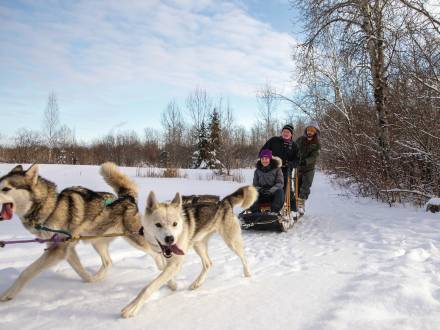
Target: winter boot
[301,206]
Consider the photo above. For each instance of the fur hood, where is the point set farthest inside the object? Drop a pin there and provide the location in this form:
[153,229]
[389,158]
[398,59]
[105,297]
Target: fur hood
[275,162]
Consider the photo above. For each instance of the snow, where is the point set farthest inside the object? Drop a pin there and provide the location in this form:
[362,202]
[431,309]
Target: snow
[434,201]
[351,263]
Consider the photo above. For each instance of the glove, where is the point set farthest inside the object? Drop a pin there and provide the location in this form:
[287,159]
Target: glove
[293,164]
[264,192]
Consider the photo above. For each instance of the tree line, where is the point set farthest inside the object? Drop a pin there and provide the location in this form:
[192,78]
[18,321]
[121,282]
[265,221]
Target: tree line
[200,133]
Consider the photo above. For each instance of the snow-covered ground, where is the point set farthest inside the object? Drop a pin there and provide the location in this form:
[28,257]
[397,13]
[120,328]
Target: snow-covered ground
[352,263]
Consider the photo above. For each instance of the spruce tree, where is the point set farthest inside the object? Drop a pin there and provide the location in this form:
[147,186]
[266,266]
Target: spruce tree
[215,142]
[201,155]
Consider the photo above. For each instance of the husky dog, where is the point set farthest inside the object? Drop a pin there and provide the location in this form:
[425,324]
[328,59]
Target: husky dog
[76,209]
[173,228]
[195,199]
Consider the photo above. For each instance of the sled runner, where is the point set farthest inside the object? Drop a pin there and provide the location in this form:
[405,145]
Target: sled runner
[266,220]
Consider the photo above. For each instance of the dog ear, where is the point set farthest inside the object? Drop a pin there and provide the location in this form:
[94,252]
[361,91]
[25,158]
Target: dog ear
[17,169]
[177,201]
[151,201]
[32,173]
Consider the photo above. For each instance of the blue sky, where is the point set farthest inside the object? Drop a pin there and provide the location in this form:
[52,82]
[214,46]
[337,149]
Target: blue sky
[118,63]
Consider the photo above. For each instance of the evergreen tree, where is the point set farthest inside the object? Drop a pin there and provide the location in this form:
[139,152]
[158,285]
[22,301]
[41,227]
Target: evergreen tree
[164,159]
[62,157]
[215,142]
[201,155]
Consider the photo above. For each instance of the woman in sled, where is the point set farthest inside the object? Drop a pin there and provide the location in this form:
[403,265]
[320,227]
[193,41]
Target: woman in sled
[269,181]
[285,148]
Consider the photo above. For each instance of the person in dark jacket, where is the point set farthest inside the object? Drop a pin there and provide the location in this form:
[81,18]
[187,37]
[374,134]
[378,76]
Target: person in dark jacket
[309,146]
[269,181]
[285,148]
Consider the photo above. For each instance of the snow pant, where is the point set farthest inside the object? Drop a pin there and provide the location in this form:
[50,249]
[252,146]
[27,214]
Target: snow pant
[305,180]
[286,173]
[276,201]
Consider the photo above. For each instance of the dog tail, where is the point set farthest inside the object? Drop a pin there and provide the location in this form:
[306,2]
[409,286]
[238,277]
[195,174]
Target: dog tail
[244,196]
[121,184]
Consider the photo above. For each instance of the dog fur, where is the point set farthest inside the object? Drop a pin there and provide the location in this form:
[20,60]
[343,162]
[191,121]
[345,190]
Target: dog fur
[174,228]
[194,199]
[80,211]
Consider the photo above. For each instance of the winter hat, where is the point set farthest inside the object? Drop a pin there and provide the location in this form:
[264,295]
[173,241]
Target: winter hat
[289,127]
[266,153]
[314,124]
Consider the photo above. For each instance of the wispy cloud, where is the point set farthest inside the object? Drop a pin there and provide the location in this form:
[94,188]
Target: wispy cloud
[88,49]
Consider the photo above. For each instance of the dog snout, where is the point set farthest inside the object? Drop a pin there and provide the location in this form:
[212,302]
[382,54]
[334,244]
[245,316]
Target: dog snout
[169,239]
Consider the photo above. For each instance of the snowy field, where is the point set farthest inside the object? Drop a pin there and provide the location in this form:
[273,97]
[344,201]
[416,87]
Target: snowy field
[352,263]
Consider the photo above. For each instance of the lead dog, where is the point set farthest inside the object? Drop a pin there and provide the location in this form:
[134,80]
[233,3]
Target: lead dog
[76,209]
[174,228]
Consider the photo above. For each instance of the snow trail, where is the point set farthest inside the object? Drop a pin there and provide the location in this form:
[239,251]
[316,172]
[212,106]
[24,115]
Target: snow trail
[351,263]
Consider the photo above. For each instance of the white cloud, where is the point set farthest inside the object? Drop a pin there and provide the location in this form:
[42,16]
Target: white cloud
[114,61]
[181,43]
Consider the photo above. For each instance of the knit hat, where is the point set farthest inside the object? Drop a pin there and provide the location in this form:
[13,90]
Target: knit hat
[289,127]
[266,153]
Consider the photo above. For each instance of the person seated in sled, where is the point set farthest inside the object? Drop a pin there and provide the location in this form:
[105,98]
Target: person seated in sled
[269,181]
[285,148]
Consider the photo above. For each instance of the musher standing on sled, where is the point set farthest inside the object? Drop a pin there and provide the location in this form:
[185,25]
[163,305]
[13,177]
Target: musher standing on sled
[309,146]
[285,148]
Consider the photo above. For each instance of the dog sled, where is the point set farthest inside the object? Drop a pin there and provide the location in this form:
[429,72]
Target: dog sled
[263,219]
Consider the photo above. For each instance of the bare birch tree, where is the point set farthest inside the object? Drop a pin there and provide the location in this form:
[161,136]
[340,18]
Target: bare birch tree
[173,126]
[199,105]
[370,71]
[51,122]
[268,103]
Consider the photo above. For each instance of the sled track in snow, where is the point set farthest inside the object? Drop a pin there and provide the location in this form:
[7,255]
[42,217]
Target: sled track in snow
[283,253]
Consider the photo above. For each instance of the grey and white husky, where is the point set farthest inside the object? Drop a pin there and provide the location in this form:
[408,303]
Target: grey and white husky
[79,210]
[173,228]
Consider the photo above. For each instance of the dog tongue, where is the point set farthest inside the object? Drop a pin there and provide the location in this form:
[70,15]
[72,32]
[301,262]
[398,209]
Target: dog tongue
[175,249]
[6,212]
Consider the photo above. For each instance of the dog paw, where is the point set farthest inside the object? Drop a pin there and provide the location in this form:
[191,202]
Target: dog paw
[94,278]
[195,285]
[129,311]
[172,285]
[247,274]
[89,279]
[6,297]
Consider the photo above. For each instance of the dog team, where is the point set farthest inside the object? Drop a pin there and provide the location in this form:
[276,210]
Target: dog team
[165,230]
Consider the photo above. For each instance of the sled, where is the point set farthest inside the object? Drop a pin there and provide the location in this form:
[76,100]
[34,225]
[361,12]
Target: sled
[267,221]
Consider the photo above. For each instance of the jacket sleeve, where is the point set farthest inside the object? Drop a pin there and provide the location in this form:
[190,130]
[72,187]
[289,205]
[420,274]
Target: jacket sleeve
[255,183]
[279,181]
[313,156]
[294,161]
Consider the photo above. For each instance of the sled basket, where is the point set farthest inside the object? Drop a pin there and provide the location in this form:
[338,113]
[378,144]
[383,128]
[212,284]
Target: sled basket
[264,221]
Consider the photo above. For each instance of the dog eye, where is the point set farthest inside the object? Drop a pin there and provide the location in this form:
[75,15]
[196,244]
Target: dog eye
[5,189]
[158,225]
[174,224]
